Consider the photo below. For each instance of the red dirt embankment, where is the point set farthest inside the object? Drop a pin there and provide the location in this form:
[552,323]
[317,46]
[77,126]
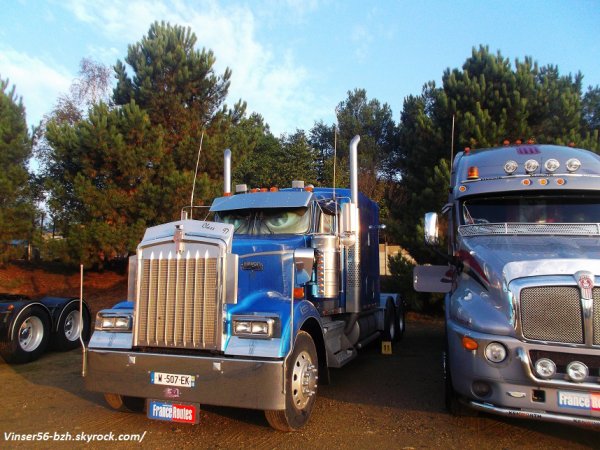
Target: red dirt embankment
[100,289]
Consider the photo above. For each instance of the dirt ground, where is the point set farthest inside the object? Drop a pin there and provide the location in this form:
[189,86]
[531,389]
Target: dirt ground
[375,402]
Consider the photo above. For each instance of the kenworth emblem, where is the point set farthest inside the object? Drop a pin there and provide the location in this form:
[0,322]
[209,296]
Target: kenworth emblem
[178,239]
[585,281]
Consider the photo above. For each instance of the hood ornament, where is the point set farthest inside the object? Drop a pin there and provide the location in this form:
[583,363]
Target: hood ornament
[178,238]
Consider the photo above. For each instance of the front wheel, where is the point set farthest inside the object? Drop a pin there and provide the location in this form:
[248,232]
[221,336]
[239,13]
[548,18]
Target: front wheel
[124,403]
[29,337]
[300,386]
[454,403]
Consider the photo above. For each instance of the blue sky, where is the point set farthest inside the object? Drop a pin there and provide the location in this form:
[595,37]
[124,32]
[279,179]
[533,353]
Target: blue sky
[293,61]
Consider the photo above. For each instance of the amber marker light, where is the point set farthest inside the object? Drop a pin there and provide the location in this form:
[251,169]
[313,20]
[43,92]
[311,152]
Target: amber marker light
[298,292]
[560,181]
[526,182]
[543,181]
[274,189]
[469,343]
[226,194]
[10,307]
[473,173]
[462,189]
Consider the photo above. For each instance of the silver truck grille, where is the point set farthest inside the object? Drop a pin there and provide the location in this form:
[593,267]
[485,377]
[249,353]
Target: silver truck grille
[178,303]
[552,313]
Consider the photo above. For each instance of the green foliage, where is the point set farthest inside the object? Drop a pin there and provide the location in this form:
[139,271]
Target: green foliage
[16,204]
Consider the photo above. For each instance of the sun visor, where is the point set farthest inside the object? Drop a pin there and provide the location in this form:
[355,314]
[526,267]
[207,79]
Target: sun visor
[279,199]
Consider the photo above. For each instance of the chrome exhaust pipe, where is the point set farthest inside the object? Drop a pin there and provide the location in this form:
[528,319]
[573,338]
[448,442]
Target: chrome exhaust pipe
[227,173]
[354,169]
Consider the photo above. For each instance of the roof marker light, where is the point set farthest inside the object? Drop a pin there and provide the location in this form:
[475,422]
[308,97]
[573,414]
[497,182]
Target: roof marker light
[531,165]
[560,181]
[473,173]
[510,167]
[526,182]
[543,181]
[462,188]
[506,142]
[573,164]
[551,165]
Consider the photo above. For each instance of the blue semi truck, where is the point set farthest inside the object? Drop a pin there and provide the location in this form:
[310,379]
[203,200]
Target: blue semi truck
[248,310]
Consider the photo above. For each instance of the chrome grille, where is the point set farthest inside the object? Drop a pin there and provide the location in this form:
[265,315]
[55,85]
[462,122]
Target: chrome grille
[596,296]
[178,303]
[568,229]
[552,313]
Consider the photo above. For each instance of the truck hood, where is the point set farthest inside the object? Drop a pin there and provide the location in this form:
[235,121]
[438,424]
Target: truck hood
[489,262]
[266,265]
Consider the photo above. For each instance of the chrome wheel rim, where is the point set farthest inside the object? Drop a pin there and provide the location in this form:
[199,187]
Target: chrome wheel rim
[304,380]
[72,326]
[31,333]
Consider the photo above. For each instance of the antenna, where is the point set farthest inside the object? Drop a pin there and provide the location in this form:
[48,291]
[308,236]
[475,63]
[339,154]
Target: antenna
[452,150]
[195,175]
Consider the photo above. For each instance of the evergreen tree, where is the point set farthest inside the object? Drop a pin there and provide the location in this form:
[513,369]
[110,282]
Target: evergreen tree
[16,205]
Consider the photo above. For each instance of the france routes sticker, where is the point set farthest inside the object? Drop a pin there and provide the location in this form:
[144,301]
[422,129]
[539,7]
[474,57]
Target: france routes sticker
[579,400]
[173,412]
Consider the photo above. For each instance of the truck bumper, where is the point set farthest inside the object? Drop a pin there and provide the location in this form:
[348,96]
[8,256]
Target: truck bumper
[243,383]
[514,390]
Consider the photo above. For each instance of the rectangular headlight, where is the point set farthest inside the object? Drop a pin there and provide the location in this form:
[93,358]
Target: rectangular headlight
[255,327]
[112,322]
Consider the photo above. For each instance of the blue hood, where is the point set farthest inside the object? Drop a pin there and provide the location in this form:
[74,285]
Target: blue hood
[266,263]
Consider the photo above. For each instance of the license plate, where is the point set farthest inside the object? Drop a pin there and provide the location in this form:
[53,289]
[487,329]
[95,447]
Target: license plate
[172,379]
[173,412]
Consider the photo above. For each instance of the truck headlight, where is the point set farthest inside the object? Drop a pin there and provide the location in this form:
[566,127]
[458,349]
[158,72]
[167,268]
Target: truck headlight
[112,322]
[495,352]
[545,367]
[577,371]
[255,327]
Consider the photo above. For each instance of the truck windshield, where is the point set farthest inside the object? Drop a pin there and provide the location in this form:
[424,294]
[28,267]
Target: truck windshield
[267,221]
[533,209]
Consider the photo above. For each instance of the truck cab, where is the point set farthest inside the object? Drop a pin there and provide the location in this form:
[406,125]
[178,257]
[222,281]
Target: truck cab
[522,300]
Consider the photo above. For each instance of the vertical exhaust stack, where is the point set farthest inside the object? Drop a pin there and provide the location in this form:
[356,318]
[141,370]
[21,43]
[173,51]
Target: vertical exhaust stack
[227,173]
[354,169]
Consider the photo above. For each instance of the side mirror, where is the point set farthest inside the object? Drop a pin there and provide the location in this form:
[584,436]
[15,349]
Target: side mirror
[431,229]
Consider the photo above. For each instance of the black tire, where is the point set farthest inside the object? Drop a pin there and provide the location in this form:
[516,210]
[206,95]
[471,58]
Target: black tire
[455,405]
[124,403]
[29,338]
[389,322]
[301,386]
[69,328]
[400,322]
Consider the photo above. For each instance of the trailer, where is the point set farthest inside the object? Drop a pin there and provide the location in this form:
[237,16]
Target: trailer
[248,310]
[28,327]
[522,283]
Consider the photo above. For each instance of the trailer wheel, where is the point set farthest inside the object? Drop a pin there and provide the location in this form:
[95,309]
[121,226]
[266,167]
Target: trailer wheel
[29,338]
[70,328]
[453,402]
[400,323]
[125,403]
[301,386]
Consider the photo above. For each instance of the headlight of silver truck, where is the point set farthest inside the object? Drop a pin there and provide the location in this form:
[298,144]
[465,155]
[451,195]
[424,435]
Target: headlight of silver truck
[113,322]
[255,327]
[495,352]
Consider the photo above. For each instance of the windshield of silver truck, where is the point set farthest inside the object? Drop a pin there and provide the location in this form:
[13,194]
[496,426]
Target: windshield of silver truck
[537,209]
[267,220]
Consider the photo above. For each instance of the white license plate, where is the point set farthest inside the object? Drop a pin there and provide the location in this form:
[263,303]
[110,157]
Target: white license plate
[172,379]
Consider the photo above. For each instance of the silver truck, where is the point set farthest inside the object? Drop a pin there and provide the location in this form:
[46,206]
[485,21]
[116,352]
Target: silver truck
[522,284]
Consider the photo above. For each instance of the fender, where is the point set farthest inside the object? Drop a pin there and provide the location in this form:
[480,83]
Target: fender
[69,301]
[20,309]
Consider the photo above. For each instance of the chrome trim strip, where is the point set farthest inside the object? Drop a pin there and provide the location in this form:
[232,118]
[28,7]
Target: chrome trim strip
[524,358]
[535,415]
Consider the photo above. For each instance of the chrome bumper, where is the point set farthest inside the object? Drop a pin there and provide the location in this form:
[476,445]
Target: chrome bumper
[243,383]
[535,415]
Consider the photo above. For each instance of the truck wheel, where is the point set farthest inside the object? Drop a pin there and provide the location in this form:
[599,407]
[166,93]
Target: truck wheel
[389,322]
[70,327]
[29,338]
[454,404]
[400,323]
[124,403]
[301,386]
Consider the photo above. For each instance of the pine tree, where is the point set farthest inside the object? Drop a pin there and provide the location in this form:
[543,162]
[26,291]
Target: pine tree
[16,205]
